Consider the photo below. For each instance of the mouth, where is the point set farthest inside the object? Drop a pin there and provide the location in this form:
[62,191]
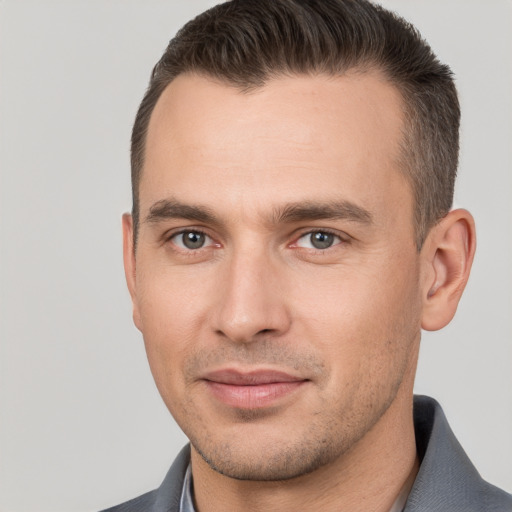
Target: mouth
[251,390]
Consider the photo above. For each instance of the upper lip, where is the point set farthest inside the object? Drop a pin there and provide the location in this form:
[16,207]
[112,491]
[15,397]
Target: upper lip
[249,378]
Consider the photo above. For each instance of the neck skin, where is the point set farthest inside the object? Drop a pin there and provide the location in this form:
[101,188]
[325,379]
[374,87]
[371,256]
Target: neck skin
[368,478]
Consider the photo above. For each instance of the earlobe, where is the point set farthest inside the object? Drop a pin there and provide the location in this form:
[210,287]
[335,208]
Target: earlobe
[447,258]
[129,264]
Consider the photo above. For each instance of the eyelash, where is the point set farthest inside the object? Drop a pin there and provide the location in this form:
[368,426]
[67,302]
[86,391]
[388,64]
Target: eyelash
[190,252]
[343,239]
[170,236]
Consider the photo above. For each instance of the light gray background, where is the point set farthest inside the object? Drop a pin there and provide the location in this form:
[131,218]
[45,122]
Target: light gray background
[81,423]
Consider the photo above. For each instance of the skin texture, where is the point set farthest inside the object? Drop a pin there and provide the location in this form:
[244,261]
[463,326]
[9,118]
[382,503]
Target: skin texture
[257,173]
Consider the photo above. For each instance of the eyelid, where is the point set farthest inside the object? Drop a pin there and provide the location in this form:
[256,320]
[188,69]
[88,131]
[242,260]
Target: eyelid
[343,237]
[173,233]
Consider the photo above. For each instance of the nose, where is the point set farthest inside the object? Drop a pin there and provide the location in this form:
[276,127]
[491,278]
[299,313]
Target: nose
[252,299]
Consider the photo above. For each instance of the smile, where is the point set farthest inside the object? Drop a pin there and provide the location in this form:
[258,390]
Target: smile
[252,390]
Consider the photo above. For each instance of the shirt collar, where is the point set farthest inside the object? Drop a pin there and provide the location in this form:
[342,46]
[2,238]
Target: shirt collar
[187,504]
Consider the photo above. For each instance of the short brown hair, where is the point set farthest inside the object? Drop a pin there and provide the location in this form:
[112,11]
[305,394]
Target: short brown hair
[245,43]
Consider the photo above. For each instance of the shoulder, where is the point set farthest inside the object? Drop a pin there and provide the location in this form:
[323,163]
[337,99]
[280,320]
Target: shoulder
[447,480]
[496,500]
[143,502]
[167,497]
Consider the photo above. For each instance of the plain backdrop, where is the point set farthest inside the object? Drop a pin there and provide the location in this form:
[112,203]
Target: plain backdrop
[81,423]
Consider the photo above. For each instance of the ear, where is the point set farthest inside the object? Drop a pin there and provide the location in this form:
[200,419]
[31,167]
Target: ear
[447,256]
[129,265]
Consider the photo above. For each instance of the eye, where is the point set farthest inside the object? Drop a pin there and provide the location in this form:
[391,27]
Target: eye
[190,240]
[318,240]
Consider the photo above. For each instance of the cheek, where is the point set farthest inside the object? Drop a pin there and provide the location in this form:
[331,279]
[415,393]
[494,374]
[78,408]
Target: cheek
[361,318]
[171,301]
[173,314]
[354,297]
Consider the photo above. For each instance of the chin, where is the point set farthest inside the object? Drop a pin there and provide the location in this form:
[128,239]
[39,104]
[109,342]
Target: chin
[268,460]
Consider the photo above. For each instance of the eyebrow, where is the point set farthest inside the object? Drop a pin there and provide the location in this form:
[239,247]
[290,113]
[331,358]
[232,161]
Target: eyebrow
[166,209]
[332,210]
[172,209]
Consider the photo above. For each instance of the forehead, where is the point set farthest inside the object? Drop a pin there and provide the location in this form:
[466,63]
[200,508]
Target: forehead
[296,138]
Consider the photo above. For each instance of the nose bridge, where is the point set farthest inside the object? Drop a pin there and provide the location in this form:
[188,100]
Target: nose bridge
[250,301]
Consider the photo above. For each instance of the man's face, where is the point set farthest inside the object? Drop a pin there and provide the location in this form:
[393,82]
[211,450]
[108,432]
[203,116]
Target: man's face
[277,279]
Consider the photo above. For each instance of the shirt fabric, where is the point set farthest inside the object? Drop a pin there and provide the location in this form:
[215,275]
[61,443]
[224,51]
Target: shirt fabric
[187,504]
[447,481]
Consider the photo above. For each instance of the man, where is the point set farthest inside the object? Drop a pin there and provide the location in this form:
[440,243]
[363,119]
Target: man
[293,165]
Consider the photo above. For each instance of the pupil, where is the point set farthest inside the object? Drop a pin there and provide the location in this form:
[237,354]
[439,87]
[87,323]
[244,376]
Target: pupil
[322,240]
[193,240]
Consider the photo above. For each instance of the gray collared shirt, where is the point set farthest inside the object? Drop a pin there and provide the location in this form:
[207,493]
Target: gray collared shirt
[446,481]
[186,502]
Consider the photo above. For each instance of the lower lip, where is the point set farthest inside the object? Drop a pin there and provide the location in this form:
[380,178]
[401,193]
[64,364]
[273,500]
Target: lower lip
[252,397]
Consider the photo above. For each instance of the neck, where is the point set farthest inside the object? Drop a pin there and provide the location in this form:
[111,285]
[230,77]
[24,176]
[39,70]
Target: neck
[370,477]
